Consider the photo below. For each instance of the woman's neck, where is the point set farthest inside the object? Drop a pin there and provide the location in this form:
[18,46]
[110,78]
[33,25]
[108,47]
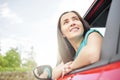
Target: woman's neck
[76,42]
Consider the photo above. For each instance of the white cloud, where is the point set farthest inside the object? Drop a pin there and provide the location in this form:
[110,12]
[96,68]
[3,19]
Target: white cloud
[6,13]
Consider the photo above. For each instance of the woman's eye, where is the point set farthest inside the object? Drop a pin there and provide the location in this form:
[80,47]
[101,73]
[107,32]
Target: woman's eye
[65,22]
[75,18]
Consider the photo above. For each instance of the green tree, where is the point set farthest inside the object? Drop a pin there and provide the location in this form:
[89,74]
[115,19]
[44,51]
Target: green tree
[3,62]
[13,58]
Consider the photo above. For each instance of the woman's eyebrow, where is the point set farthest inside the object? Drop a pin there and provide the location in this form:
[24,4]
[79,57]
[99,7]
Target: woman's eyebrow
[65,20]
[75,17]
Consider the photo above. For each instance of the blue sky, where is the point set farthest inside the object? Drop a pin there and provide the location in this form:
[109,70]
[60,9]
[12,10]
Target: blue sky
[26,23]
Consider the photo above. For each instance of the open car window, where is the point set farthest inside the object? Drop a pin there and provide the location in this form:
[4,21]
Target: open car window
[107,21]
[101,30]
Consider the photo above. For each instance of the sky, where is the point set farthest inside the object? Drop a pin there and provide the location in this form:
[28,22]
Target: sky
[27,24]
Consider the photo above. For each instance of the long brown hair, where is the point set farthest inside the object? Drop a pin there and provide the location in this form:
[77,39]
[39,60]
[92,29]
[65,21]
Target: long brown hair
[66,50]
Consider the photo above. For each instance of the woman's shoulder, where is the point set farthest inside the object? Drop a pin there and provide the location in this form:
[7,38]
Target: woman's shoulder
[93,31]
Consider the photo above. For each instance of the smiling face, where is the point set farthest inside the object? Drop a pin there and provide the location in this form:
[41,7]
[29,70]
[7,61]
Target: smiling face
[71,26]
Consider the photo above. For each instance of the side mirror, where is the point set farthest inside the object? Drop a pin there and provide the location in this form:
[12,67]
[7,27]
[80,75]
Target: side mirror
[37,71]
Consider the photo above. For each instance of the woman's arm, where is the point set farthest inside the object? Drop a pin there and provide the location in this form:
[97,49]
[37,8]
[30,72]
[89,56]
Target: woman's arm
[57,71]
[90,53]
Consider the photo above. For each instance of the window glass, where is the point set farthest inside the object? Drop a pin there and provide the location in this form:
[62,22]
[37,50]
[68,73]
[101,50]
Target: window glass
[101,30]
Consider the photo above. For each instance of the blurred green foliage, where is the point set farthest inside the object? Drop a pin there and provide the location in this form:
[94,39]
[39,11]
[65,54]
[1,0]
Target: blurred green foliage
[13,58]
[12,62]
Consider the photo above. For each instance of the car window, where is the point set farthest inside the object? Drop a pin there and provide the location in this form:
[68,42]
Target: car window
[101,30]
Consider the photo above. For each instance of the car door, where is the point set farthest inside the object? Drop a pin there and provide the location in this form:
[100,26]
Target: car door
[112,43]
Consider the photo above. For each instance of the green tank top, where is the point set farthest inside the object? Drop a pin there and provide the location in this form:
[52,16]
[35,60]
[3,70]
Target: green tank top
[84,41]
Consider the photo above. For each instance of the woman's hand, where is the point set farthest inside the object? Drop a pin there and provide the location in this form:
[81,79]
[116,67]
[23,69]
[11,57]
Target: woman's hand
[66,68]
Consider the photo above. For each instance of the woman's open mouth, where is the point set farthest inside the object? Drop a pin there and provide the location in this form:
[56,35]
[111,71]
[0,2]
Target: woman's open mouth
[74,29]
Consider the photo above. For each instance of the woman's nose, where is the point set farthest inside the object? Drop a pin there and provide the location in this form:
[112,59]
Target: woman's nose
[72,23]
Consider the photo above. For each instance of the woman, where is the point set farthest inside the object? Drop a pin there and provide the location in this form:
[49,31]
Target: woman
[78,44]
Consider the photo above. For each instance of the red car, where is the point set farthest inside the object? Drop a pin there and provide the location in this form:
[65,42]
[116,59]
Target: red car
[103,14]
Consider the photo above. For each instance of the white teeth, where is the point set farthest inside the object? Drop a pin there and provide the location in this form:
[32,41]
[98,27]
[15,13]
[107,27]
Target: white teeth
[74,29]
